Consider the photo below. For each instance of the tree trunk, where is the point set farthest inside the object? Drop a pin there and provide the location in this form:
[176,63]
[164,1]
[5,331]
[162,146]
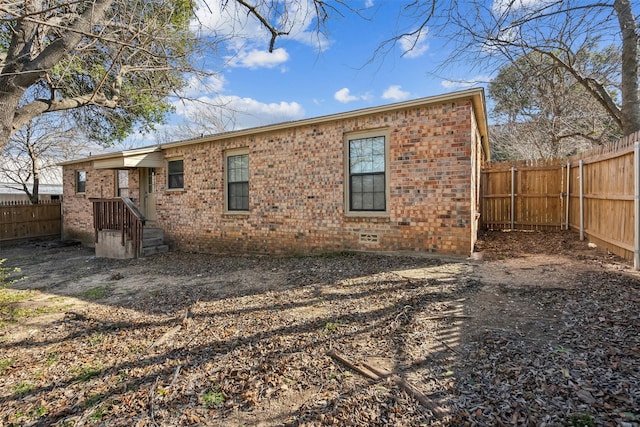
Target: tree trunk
[35,168]
[23,69]
[34,197]
[630,38]
[9,100]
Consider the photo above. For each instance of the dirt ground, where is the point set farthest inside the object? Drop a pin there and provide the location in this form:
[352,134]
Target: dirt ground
[534,329]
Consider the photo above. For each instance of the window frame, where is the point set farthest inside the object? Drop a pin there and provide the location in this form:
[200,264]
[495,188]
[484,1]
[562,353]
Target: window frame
[352,136]
[228,154]
[118,188]
[78,181]
[169,174]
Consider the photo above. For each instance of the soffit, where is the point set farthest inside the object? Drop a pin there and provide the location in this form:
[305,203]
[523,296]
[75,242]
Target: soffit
[131,160]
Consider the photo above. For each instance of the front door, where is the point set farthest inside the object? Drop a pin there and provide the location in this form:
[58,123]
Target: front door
[148,192]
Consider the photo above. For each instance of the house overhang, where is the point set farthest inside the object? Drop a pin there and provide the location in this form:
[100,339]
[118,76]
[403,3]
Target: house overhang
[475,95]
[131,159]
[154,157]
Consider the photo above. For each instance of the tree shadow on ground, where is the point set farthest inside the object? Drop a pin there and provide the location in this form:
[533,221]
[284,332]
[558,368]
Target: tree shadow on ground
[204,340]
[154,354]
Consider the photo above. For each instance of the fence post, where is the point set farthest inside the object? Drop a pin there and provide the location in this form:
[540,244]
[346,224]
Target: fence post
[581,178]
[513,198]
[568,195]
[636,205]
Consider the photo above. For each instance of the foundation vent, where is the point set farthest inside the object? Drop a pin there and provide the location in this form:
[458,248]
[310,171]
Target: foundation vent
[368,238]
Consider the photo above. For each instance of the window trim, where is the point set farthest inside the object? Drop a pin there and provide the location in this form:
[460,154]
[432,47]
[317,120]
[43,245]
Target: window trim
[384,132]
[231,153]
[118,182]
[84,190]
[168,181]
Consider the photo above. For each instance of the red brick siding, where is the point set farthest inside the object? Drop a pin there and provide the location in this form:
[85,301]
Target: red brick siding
[296,189]
[77,210]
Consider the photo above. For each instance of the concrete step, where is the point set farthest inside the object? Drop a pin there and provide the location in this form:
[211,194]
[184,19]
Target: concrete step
[152,241]
[152,250]
[153,232]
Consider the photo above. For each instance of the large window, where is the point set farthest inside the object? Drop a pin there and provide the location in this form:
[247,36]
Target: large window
[175,174]
[367,174]
[237,181]
[81,181]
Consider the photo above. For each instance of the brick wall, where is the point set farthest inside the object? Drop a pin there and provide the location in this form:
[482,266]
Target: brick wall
[77,209]
[297,184]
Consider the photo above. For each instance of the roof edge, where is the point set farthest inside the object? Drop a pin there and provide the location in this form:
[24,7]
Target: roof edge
[450,96]
[475,94]
[113,155]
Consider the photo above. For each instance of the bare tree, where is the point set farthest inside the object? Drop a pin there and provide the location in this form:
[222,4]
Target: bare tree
[34,152]
[541,111]
[115,62]
[205,119]
[492,33]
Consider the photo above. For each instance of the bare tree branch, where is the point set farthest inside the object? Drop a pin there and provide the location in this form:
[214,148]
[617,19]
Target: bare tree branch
[274,32]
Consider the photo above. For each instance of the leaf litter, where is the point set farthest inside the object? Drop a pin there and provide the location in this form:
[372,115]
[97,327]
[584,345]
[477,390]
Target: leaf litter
[539,330]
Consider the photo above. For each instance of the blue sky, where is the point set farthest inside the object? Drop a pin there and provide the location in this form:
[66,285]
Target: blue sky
[305,76]
[310,76]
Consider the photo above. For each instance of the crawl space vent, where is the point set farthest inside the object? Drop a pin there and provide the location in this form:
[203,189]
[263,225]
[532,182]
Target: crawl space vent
[368,238]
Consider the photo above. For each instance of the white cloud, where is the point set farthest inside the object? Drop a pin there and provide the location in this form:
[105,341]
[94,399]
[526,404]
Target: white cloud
[344,95]
[462,84]
[223,18]
[511,15]
[395,92]
[501,7]
[265,113]
[247,39]
[300,24]
[209,84]
[259,58]
[414,46]
[241,113]
[368,3]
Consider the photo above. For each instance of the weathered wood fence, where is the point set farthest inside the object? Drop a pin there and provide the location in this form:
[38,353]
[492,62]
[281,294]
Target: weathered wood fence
[596,193]
[24,220]
[522,196]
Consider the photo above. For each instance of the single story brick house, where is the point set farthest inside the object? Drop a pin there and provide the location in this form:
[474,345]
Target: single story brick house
[398,177]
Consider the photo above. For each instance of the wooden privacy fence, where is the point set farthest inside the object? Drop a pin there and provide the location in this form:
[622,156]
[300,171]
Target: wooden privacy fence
[25,220]
[522,197]
[596,193]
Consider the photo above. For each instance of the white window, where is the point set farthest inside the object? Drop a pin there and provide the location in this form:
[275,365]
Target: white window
[81,181]
[367,172]
[122,179]
[175,174]
[237,180]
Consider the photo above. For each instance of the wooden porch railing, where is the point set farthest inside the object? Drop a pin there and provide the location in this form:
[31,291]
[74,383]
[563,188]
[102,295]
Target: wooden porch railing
[119,214]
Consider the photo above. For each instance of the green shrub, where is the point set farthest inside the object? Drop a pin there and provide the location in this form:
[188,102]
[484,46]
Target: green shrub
[6,273]
[213,397]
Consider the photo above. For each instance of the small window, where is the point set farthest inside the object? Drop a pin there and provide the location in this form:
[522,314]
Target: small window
[367,174]
[175,173]
[122,178]
[151,180]
[238,182]
[81,181]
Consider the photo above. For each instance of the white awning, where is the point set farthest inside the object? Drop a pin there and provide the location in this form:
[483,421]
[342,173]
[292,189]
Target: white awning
[131,160]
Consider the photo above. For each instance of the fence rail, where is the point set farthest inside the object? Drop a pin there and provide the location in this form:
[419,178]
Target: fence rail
[524,198]
[594,193]
[23,220]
